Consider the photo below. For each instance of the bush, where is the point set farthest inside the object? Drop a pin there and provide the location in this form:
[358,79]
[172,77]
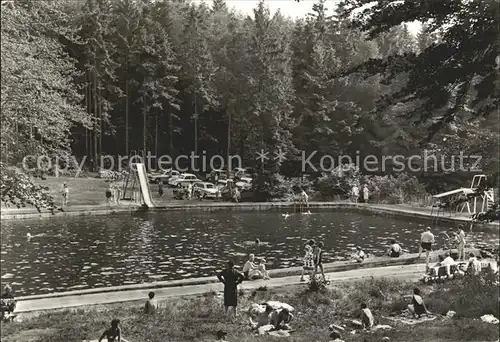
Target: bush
[277,187]
[396,190]
[338,182]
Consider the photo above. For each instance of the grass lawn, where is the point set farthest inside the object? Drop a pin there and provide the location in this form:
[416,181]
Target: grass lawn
[198,318]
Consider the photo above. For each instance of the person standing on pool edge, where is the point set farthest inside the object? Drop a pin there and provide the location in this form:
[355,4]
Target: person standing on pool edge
[426,241]
[231,279]
[461,242]
[318,261]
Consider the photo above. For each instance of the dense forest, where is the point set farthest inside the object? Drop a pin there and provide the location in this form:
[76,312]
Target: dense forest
[100,77]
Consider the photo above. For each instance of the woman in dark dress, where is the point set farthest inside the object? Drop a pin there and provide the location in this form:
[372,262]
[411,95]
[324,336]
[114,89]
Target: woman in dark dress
[231,279]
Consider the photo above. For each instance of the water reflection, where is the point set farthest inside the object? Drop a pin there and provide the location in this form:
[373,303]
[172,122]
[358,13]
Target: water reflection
[88,252]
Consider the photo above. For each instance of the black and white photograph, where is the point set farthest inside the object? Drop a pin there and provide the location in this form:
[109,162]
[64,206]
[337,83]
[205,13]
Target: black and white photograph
[250,170]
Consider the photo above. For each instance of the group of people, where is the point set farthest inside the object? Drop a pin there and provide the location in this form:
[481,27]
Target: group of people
[355,193]
[255,269]
[113,194]
[313,260]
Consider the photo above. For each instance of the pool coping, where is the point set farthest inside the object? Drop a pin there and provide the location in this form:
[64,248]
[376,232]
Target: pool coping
[253,206]
[339,266]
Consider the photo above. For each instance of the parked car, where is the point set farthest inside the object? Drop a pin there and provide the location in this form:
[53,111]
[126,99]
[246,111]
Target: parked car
[205,190]
[244,183]
[164,177]
[221,174]
[224,183]
[183,178]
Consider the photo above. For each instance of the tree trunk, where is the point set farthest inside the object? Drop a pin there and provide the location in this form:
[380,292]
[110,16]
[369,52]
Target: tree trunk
[126,103]
[144,125]
[100,119]
[87,109]
[95,116]
[156,132]
[229,137]
[195,132]
[171,134]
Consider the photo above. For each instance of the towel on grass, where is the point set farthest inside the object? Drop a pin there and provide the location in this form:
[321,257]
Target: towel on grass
[411,320]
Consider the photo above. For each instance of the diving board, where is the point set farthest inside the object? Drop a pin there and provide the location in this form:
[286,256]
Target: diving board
[143,182]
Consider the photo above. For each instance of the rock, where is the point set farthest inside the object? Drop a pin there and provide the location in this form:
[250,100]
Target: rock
[450,313]
[385,339]
[489,319]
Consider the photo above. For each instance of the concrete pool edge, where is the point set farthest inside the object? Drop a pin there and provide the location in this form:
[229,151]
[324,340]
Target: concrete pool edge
[334,267]
[260,206]
[253,206]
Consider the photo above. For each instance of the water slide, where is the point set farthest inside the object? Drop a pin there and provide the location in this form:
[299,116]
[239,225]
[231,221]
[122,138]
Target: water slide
[143,181]
[464,191]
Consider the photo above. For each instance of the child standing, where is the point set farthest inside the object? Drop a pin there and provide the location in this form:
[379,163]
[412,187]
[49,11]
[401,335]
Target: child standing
[160,189]
[308,261]
[65,195]
[109,194]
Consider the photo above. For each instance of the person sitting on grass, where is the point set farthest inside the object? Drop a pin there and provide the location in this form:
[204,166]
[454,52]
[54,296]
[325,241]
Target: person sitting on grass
[151,304]
[394,250]
[308,262]
[359,256]
[261,267]
[366,317]
[113,334]
[474,265]
[417,306]
[252,270]
[275,319]
[8,303]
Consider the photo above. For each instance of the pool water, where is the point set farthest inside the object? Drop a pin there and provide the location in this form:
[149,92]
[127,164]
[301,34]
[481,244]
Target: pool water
[90,252]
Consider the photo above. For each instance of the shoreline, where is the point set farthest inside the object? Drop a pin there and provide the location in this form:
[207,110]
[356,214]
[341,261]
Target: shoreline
[388,209]
[279,277]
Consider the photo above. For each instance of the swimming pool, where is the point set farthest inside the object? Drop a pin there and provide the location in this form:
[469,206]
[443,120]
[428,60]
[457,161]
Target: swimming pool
[89,252]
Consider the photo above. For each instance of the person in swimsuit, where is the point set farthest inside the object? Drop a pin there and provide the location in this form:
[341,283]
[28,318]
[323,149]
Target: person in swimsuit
[426,241]
[308,263]
[113,334]
[417,306]
[460,237]
[359,256]
[394,250]
[65,195]
[231,279]
[318,261]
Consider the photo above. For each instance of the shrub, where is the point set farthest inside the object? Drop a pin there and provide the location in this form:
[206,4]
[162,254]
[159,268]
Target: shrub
[395,190]
[338,182]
